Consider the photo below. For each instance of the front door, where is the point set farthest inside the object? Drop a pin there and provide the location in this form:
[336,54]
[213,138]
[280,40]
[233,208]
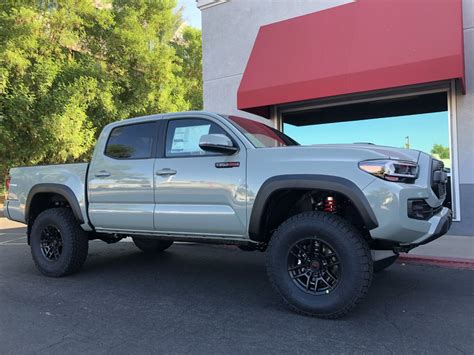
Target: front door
[198,192]
[121,180]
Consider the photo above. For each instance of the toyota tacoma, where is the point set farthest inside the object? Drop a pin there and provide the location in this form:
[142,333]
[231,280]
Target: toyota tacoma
[323,214]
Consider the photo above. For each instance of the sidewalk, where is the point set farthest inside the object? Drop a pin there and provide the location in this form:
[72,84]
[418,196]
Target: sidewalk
[448,246]
[449,250]
[7,224]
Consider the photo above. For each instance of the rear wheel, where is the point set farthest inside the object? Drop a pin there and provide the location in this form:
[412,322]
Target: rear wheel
[151,246]
[59,246]
[319,264]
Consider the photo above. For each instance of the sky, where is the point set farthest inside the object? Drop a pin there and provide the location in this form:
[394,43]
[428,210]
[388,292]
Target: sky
[424,131]
[191,14]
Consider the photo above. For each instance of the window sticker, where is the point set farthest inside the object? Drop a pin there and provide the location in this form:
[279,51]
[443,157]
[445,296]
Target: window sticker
[186,139]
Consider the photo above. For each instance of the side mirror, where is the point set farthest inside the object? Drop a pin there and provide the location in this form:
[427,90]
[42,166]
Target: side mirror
[218,143]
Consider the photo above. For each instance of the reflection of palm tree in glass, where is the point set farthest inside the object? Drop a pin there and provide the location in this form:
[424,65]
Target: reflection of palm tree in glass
[120,150]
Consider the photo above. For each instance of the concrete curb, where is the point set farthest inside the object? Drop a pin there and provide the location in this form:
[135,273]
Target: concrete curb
[454,263]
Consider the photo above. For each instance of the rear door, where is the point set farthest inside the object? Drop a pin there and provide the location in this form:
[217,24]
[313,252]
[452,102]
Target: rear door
[198,192]
[120,179]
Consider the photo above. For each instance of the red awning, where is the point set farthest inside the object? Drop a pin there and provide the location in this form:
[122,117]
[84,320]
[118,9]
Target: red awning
[361,46]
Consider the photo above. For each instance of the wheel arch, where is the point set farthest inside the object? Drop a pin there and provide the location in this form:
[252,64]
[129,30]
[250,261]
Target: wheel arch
[279,183]
[51,189]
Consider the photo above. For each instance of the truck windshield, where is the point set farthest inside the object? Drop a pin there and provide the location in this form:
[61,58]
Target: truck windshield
[261,135]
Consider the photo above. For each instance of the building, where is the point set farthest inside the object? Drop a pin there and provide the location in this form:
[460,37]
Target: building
[306,65]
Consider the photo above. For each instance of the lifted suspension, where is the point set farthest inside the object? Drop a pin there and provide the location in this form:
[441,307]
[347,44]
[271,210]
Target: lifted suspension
[330,204]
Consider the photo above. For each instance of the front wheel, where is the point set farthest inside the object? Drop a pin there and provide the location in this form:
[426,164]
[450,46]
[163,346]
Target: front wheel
[319,264]
[58,244]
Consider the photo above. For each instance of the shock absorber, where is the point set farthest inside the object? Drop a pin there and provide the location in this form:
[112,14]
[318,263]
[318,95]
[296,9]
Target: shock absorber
[330,204]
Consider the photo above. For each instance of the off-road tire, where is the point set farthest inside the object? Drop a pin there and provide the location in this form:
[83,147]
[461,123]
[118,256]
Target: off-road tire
[354,256]
[75,243]
[382,264]
[151,246]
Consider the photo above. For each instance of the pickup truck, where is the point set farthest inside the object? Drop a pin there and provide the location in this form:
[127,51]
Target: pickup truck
[322,213]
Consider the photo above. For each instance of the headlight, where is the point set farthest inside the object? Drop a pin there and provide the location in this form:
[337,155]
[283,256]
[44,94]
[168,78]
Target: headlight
[391,170]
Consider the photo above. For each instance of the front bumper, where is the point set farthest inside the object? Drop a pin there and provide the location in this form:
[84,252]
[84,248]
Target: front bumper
[389,202]
[442,227]
[437,226]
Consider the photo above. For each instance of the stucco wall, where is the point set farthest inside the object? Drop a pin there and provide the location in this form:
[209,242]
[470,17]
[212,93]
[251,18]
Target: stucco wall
[465,103]
[465,128]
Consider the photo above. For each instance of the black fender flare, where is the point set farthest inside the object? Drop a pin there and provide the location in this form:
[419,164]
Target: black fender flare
[59,189]
[313,182]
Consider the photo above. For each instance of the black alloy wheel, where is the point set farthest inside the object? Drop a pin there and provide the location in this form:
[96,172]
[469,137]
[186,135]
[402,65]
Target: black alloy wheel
[51,243]
[319,264]
[314,266]
[58,244]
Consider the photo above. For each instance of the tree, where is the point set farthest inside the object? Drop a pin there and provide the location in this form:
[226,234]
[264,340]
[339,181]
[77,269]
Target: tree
[441,151]
[189,50]
[44,92]
[69,67]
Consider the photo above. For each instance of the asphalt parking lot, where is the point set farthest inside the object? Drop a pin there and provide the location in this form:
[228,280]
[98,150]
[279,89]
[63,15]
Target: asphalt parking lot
[209,299]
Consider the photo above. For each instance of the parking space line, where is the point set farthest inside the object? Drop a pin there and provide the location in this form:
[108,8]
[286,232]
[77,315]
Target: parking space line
[12,240]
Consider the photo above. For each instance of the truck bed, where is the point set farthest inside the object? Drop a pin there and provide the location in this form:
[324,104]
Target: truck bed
[23,179]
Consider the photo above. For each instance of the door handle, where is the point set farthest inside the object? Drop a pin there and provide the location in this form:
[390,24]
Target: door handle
[166,172]
[102,173]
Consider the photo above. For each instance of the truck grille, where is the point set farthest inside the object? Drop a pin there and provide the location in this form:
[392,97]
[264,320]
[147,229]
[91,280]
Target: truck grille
[439,178]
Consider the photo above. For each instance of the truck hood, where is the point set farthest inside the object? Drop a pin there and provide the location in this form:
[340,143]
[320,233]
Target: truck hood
[387,152]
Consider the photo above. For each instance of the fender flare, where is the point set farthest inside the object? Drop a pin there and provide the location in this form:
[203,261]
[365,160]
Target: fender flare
[59,189]
[313,182]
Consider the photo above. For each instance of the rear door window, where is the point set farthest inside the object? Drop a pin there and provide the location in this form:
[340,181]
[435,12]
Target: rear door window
[131,142]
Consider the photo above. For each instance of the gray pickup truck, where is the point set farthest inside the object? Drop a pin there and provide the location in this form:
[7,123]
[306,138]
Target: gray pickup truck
[323,213]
